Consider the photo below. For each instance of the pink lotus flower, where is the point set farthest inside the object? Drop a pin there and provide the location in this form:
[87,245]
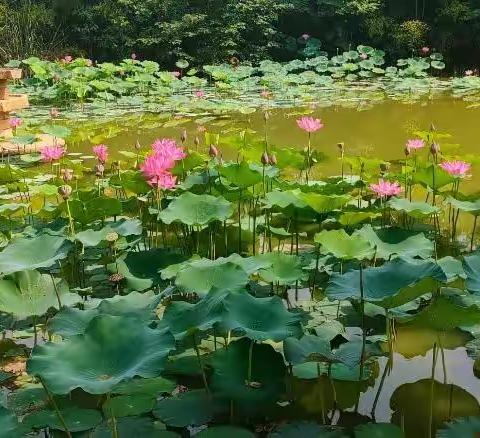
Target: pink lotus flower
[458,169]
[176,74]
[200,94]
[133,56]
[309,124]
[15,122]
[385,188]
[67,59]
[414,144]
[469,73]
[89,62]
[201,128]
[363,56]
[51,153]
[164,181]
[305,36]
[265,94]
[101,152]
[54,113]
[155,166]
[168,148]
[425,50]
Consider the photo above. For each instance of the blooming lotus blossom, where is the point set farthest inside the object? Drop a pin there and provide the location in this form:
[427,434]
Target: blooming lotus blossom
[201,128]
[133,56]
[176,74]
[309,124]
[67,59]
[168,148]
[363,56]
[156,165]
[54,113]
[15,122]
[385,188]
[89,62]
[51,153]
[164,181]
[101,152]
[469,73]
[200,94]
[265,94]
[305,36]
[458,169]
[414,144]
[425,50]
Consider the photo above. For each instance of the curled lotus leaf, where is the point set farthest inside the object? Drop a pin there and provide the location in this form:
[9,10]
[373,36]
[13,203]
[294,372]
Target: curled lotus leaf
[471,264]
[111,350]
[415,209]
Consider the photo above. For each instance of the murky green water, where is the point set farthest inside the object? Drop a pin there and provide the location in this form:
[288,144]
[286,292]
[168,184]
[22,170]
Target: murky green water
[403,395]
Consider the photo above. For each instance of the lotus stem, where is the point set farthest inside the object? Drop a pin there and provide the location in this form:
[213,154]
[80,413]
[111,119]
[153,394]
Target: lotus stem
[70,218]
[473,233]
[364,334]
[55,407]
[432,390]
[200,363]
[250,354]
[114,420]
[380,387]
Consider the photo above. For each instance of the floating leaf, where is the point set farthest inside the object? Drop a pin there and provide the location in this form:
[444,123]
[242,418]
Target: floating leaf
[76,419]
[128,405]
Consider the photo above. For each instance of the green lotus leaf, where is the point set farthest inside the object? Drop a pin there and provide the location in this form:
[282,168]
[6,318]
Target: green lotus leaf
[415,209]
[111,350]
[201,278]
[29,293]
[56,131]
[41,251]
[337,371]
[444,313]
[260,318]
[91,238]
[391,285]
[466,426]
[70,321]
[240,175]
[76,419]
[185,319]
[452,268]
[307,349]
[433,177]
[94,209]
[324,203]
[182,64]
[230,372]
[471,264]
[153,386]
[344,246]
[283,269]
[395,242]
[131,181]
[223,431]
[141,269]
[128,427]
[284,199]
[9,425]
[196,210]
[438,65]
[306,430]
[24,400]
[352,218]
[128,405]
[378,430]
[191,408]
[449,401]
[472,207]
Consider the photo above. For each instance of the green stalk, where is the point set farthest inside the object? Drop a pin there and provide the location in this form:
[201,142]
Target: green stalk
[432,391]
[55,407]
[250,354]
[473,232]
[200,363]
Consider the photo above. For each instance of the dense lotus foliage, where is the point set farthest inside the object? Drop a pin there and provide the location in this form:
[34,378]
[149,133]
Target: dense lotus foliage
[173,291]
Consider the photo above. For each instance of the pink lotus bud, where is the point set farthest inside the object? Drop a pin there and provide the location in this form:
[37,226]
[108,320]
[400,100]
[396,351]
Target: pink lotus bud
[183,137]
[265,159]
[273,159]
[65,191]
[67,174]
[213,151]
[434,148]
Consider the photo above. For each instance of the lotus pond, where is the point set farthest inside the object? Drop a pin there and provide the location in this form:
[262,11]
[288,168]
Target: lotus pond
[274,270]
